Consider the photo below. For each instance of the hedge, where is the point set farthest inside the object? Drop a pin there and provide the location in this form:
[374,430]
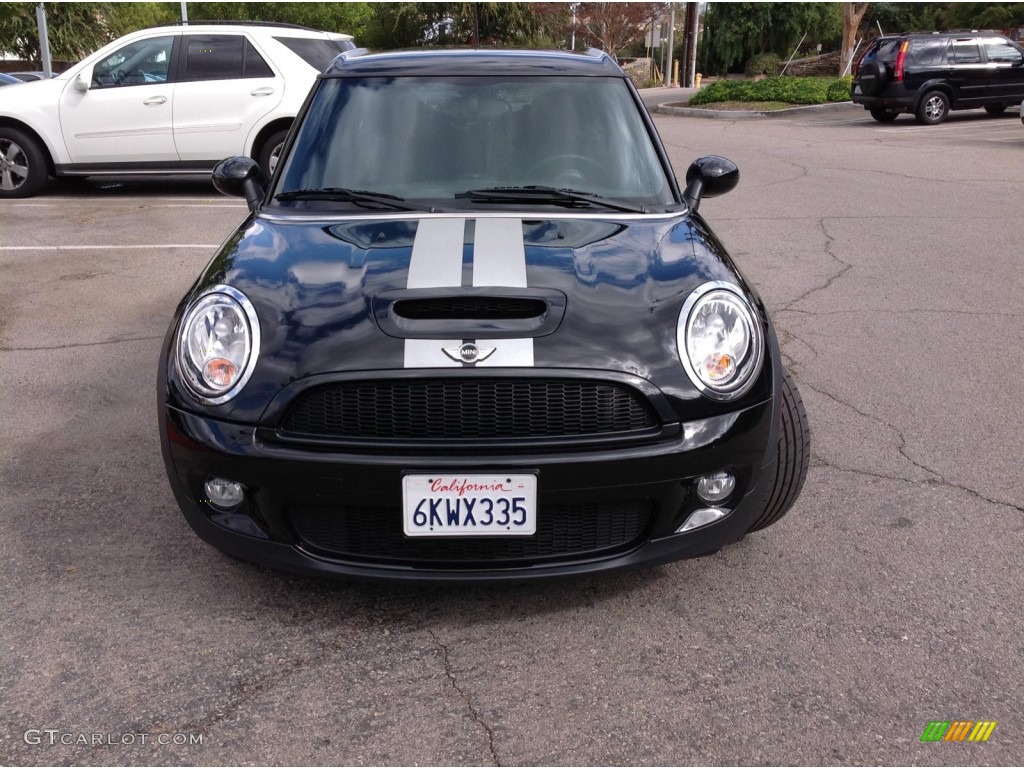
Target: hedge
[791,90]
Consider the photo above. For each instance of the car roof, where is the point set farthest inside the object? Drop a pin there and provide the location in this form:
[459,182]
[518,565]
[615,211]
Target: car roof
[358,63]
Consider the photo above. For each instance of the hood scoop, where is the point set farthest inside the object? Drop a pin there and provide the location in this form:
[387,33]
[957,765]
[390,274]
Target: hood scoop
[473,308]
[470,313]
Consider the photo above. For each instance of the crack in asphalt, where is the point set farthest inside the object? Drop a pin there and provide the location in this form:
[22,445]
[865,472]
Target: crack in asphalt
[937,479]
[81,344]
[466,697]
[242,693]
[845,267]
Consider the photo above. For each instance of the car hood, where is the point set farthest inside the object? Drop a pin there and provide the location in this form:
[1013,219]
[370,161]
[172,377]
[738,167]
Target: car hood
[39,93]
[610,290]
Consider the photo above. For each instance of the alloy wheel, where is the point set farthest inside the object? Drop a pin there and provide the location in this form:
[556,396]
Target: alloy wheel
[13,165]
[935,107]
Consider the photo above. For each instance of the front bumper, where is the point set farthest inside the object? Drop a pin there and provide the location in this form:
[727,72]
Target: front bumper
[300,502]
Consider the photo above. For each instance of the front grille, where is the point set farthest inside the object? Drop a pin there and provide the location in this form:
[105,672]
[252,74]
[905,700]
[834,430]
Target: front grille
[563,532]
[479,409]
[470,308]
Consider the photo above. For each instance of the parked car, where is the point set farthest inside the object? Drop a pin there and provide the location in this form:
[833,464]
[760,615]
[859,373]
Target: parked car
[6,79]
[172,99]
[474,330]
[928,75]
[30,77]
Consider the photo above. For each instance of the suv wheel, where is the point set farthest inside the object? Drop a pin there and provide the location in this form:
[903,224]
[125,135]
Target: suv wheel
[933,108]
[23,169]
[793,459]
[270,152]
[883,115]
[995,109]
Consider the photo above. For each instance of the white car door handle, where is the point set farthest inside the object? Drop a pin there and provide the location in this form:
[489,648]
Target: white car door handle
[264,91]
[153,100]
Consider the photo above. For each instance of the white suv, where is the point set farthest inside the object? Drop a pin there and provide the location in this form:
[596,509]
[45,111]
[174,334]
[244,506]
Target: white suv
[174,99]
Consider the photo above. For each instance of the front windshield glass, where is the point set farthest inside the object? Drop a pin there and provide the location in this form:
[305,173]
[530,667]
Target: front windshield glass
[430,140]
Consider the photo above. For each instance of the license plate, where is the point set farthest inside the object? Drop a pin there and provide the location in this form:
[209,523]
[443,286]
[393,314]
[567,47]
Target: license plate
[469,505]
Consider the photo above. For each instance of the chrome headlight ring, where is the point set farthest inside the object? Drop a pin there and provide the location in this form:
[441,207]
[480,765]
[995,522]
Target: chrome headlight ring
[217,344]
[720,340]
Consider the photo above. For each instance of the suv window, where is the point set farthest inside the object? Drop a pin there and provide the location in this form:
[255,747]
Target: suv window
[929,52]
[138,63]
[317,53]
[966,52]
[223,57]
[885,50]
[1002,51]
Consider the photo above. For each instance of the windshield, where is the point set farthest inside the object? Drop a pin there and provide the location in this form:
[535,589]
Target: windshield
[431,140]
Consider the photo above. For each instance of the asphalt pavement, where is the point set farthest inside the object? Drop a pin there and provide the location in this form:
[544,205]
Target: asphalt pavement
[889,597]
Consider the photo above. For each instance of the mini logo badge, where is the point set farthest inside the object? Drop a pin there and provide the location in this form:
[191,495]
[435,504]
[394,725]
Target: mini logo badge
[468,353]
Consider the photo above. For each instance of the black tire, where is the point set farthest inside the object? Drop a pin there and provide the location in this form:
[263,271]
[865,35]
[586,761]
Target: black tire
[883,115]
[933,108]
[996,109]
[23,168]
[794,457]
[269,150]
[873,77]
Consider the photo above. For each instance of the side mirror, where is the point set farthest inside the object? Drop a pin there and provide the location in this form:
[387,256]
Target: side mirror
[82,82]
[239,177]
[709,176]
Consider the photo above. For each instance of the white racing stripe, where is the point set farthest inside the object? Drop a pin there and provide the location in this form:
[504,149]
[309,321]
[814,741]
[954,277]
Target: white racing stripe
[499,257]
[499,260]
[436,262]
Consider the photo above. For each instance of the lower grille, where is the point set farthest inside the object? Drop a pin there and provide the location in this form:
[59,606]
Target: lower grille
[469,409]
[564,532]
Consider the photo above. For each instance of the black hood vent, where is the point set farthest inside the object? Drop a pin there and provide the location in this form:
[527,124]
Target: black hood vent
[469,313]
[470,308]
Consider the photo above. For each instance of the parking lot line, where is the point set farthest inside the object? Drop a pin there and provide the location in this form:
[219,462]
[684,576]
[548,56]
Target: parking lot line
[102,247]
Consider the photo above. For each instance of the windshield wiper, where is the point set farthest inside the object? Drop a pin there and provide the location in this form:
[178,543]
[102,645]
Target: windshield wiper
[571,198]
[357,196]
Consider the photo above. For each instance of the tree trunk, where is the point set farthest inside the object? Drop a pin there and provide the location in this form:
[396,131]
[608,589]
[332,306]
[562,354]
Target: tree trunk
[853,13]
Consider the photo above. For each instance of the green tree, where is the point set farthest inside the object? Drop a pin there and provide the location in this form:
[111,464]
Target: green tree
[733,32]
[74,29]
[350,18]
[998,16]
[902,17]
[406,25]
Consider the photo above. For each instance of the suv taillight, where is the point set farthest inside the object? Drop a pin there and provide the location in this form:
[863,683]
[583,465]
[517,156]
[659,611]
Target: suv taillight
[901,57]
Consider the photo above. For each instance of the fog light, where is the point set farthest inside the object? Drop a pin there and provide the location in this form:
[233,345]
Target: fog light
[702,517]
[224,494]
[715,488]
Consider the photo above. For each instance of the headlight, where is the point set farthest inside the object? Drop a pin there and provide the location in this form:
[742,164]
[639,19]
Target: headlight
[218,343]
[720,341]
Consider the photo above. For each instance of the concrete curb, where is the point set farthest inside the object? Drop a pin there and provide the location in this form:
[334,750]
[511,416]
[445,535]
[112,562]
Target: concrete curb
[671,108]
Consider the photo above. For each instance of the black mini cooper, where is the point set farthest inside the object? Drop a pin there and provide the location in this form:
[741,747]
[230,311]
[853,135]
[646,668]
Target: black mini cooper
[474,330]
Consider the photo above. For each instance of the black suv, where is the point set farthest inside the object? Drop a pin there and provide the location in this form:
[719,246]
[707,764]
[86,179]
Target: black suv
[930,74]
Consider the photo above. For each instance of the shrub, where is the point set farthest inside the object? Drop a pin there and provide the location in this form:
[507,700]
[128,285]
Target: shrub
[791,90]
[763,64]
[840,89]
